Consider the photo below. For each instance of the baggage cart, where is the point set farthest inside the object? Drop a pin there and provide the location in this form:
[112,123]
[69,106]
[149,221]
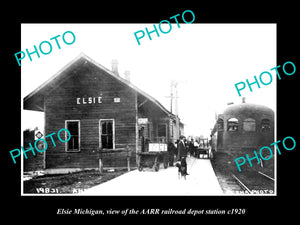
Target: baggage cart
[156,155]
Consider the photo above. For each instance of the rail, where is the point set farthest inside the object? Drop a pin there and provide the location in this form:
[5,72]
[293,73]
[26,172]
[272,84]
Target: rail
[242,184]
[265,175]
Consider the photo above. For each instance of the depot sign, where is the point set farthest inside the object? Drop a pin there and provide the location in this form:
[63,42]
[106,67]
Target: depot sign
[89,100]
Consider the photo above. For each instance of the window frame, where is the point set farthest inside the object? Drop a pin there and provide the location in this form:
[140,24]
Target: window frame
[113,134]
[79,136]
[247,120]
[269,124]
[220,122]
[165,129]
[237,126]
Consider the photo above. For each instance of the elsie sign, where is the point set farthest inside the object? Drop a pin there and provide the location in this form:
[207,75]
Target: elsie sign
[93,100]
[89,100]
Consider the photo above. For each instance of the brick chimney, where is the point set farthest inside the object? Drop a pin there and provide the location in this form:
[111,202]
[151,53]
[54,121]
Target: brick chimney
[114,67]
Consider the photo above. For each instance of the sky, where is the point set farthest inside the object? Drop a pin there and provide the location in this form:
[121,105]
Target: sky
[206,60]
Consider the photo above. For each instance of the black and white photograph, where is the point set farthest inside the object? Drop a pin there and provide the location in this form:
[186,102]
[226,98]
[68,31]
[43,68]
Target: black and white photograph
[108,111]
[152,114]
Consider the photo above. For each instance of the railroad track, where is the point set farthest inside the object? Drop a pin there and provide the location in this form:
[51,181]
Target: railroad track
[242,185]
[260,184]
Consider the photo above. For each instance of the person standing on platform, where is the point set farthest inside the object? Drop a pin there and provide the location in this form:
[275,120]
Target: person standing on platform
[182,150]
[171,150]
[191,147]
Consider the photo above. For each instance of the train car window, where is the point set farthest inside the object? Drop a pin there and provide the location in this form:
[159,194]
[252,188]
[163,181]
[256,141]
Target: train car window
[232,124]
[265,125]
[249,124]
[220,124]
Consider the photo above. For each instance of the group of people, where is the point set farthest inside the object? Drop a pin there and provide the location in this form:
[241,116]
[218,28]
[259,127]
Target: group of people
[178,151]
[181,148]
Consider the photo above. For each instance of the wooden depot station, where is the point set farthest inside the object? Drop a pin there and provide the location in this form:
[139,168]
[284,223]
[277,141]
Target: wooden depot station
[110,120]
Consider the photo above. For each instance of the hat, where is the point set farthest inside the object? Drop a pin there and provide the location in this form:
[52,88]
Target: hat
[181,137]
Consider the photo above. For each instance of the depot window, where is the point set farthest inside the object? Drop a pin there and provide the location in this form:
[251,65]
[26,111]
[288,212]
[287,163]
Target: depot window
[107,133]
[73,145]
[162,132]
[249,124]
[233,124]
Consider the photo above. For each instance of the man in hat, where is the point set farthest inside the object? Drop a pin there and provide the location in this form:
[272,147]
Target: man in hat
[171,150]
[182,150]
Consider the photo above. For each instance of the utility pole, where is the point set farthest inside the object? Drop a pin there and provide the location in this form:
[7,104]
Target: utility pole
[176,111]
[176,97]
[173,82]
[172,97]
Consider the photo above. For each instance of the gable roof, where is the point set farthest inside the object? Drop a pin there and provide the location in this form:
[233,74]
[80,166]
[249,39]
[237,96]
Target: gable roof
[35,100]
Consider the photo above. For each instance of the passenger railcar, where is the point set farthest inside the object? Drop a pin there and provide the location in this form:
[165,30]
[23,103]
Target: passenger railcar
[242,129]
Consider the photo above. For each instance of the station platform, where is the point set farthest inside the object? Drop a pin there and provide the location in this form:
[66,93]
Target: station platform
[201,181]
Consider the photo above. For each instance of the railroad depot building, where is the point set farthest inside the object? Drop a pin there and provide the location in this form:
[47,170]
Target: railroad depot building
[107,116]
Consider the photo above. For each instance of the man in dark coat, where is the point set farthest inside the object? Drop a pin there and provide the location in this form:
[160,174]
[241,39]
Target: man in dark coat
[191,147]
[171,150]
[182,150]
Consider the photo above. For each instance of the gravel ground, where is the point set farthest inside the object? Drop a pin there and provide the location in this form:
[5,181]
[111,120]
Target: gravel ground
[68,183]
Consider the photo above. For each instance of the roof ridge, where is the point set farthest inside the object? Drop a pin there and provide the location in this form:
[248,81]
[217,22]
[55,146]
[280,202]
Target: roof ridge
[119,78]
